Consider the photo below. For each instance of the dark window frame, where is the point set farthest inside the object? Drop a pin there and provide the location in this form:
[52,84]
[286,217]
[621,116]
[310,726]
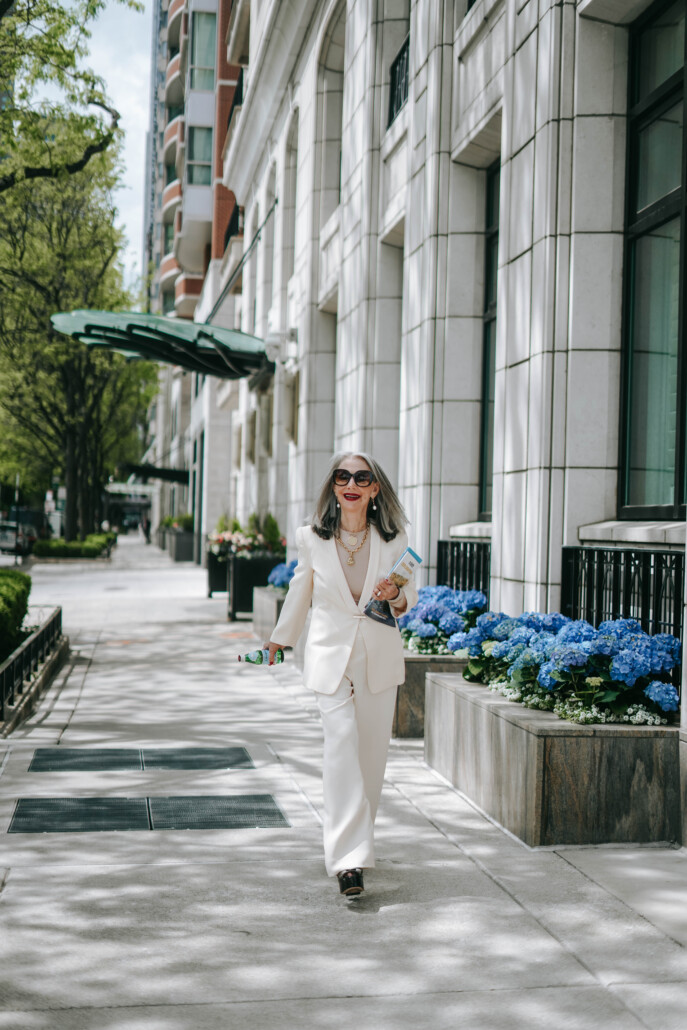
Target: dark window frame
[639,115]
[489,314]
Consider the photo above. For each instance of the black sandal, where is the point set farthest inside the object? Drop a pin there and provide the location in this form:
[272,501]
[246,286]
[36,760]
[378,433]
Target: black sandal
[351,882]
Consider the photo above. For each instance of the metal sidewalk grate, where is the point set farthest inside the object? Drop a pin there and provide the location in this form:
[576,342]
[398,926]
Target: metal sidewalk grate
[197,758]
[68,759]
[79,815]
[88,815]
[73,759]
[240,811]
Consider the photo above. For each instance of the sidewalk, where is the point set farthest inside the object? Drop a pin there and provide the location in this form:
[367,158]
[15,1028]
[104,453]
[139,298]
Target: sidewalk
[461,925]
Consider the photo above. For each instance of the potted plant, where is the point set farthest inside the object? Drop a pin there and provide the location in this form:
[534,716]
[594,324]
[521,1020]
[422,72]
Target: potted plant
[253,553]
[217,551]
[564,733]
[180,538]
[426,628]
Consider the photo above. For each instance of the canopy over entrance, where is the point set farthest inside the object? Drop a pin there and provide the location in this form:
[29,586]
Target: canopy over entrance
[208,350]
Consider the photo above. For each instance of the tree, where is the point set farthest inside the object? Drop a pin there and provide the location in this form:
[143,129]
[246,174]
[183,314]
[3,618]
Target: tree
[42,48]
[64,408]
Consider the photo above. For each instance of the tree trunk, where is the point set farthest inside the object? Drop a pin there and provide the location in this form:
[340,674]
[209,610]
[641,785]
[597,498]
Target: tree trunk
[70,479]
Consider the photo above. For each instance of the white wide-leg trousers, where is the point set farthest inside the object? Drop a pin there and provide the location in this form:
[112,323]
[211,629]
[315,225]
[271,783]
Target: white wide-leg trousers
[357,728]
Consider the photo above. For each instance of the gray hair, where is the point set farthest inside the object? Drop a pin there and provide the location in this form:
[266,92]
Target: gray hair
[389,517]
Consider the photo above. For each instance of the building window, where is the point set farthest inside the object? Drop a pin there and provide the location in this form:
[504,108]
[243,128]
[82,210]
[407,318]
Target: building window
[203,51]
[652,466]
[491,254]
[169,237]
[199,161]
[398,85]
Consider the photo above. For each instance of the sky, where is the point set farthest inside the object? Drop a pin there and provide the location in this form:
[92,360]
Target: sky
[120,52]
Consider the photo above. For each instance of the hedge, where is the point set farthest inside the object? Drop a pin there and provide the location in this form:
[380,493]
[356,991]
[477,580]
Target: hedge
[15,587]
[92,547]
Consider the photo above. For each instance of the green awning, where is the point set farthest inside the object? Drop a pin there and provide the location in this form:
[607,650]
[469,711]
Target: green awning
[206,349]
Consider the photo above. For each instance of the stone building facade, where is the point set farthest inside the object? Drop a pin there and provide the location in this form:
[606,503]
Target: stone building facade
[457,274]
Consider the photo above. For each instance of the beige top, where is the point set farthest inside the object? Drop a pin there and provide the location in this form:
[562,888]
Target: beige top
[356,572]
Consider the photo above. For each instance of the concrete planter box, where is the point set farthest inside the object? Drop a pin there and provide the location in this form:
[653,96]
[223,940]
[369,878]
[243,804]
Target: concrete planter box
[267,606]
[244,575]
[409,717]
[180,545]
[549,781]
[161,537]
[218,573]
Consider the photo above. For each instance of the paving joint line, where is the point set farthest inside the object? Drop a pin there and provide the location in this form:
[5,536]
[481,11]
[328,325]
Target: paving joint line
[319,997]
[622,901]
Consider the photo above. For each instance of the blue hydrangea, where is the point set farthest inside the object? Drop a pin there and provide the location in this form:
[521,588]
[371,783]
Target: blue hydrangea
[457,642]
[545,677]
[488,622]
[630,664]
[472,600]
[426,629]
[664,695]
[501,650]
[282,574]
[405,620]
[576,632]
[472,640]
[568,656]
[669,643]
[620,627]
[429,611]
[450,623]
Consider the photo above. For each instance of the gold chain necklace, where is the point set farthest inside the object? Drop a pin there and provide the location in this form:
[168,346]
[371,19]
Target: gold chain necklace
[351,551]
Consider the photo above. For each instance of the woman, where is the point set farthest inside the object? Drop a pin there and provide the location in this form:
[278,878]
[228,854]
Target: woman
[353,664]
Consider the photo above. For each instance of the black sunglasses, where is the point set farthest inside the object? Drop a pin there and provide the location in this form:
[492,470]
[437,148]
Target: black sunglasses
[362,478]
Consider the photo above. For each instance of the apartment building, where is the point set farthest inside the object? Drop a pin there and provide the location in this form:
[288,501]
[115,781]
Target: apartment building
[189,217]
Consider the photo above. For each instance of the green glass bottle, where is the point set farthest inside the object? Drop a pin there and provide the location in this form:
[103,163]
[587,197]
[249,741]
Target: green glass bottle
[262,657]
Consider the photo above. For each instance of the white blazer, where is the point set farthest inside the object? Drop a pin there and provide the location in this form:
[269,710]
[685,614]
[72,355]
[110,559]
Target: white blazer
[319,579]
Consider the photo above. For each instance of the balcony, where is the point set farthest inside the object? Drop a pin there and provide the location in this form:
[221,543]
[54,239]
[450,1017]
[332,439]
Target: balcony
[173,133]
[195,232]
[187,290]
[171,198]
[174,13]
[174,87]
[169,270]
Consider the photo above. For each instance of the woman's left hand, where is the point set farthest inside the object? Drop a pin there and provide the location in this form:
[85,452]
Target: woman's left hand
[385,590]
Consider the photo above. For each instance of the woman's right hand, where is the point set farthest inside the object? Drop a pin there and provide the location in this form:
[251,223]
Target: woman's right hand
[272,648]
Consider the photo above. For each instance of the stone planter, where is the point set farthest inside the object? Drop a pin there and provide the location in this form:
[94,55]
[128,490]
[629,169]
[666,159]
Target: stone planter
[161,537]
[244,575]
[218,573]
[549,781]
[267,606]
[180,545]
[409,717]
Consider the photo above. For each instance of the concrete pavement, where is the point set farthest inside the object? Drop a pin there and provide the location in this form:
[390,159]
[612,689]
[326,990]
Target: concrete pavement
[461,925]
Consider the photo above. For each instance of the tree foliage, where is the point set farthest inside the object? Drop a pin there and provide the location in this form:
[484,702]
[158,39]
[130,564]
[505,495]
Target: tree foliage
[65,409]
[45,87]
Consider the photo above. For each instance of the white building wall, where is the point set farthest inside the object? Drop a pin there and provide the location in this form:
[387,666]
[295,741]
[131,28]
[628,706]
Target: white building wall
[386,288]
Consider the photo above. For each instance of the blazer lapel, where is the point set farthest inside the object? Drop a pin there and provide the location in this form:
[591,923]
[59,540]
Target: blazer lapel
[373,573]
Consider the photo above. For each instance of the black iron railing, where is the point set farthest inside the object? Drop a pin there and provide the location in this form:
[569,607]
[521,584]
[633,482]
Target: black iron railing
[464,565]
[237,99]
[600,583]
[398,86]
[17,670]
